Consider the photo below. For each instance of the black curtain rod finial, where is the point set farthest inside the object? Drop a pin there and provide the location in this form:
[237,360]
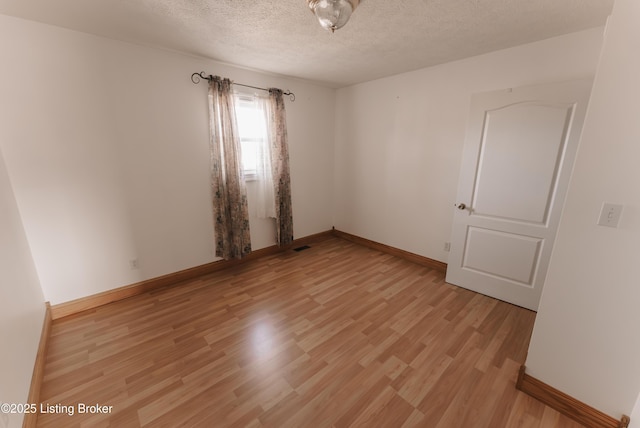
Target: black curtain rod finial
[196,77]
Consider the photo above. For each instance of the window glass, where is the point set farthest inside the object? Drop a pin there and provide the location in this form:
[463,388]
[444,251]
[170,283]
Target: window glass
[252,130]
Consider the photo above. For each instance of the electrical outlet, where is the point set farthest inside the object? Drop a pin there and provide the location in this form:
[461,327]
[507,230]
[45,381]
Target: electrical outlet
[134,264]
[447,246]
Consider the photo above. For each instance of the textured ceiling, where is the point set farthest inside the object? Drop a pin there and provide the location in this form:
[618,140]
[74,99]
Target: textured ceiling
[382,38]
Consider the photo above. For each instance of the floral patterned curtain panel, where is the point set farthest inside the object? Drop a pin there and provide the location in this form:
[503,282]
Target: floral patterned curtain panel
[229,194]
[280,168]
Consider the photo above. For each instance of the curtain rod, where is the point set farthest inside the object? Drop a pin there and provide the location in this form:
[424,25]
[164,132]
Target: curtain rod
[195,78]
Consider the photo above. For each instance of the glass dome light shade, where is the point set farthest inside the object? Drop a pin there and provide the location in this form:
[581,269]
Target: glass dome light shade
[332,14]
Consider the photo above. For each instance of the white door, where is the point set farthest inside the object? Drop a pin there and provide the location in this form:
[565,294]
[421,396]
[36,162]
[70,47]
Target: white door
[517,159]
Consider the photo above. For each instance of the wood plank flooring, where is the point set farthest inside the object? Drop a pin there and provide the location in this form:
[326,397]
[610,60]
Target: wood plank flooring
[338,335]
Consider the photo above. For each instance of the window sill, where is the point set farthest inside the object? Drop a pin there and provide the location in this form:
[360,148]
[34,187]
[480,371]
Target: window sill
[250,176]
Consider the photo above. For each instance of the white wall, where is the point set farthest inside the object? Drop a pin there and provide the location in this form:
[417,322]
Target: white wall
[586,340]
[106,144]
[399,139]
[21,304]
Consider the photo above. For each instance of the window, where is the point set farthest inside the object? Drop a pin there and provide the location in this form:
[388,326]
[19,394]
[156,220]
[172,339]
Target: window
[252,114]
[252,130]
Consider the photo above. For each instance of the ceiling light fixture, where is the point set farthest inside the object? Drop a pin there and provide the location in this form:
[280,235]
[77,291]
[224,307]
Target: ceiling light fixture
[333,14]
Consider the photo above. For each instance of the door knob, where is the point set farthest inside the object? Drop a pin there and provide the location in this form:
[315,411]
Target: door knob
[461,206]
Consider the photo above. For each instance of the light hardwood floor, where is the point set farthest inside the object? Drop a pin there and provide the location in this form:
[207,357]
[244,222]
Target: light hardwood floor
[336,335]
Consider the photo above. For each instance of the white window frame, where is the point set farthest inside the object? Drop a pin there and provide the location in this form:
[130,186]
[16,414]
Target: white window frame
[242,99]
